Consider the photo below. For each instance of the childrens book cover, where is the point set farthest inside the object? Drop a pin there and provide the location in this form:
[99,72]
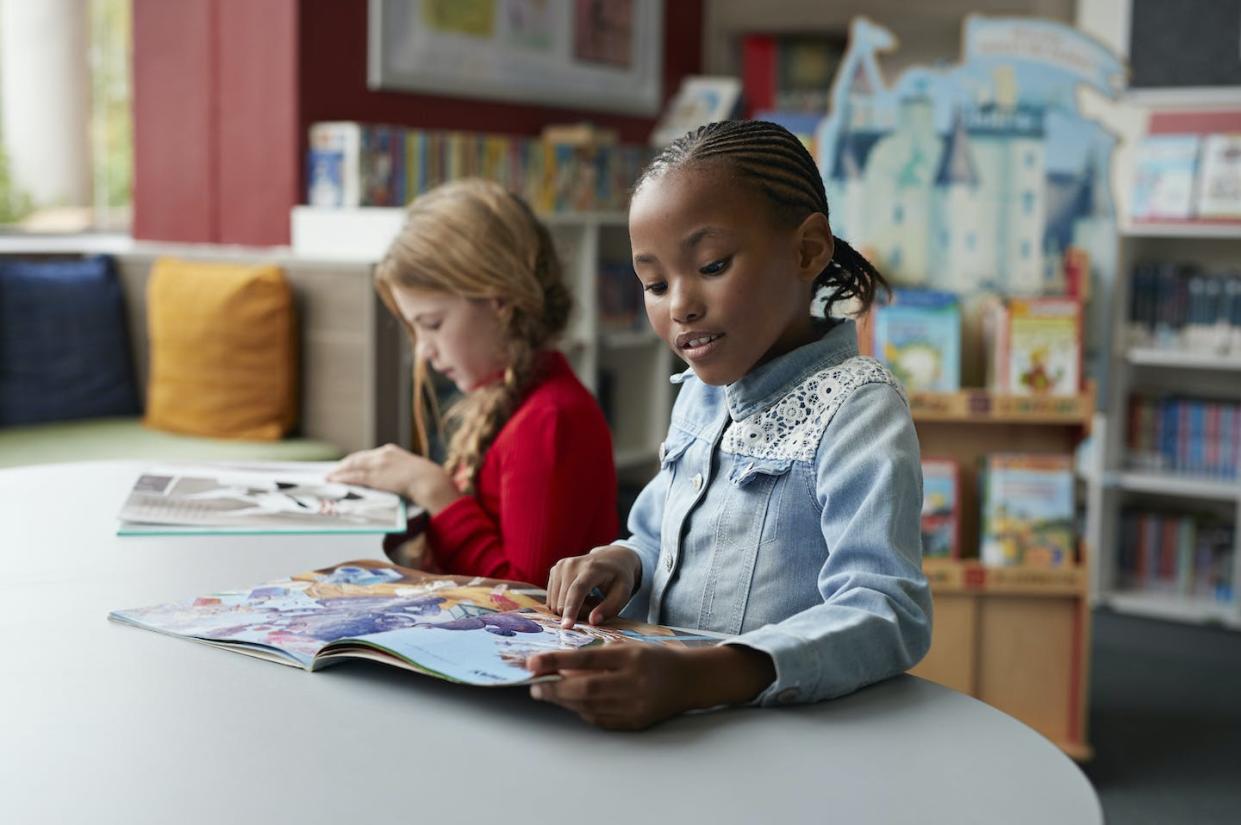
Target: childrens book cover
[941,503]
[1037,347]
[1028,510]
[1219,187]
[917,334]
[1165,168]
[383,166]
[473,631]
[700,100]
[333,162]
[289,497]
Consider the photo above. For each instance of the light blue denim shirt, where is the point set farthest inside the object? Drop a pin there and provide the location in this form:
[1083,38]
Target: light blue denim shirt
[786,515]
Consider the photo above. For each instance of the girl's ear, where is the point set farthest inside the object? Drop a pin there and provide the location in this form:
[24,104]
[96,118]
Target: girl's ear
[815,246]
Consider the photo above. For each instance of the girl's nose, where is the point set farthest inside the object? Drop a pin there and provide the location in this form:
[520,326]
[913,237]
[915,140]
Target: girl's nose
[685,306]
[424,351]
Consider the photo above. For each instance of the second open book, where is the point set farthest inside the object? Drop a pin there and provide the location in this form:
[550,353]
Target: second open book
[471,630]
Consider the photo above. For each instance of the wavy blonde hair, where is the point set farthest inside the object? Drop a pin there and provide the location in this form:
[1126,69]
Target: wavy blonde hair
[475,239]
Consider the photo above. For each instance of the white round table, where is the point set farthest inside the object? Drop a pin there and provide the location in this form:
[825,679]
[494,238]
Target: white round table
[102,723]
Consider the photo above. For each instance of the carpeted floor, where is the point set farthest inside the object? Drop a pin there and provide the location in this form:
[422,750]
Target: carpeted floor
[1165,722]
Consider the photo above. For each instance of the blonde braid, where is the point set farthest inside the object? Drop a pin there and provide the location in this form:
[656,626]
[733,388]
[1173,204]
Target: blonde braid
[502,251]
[477,418]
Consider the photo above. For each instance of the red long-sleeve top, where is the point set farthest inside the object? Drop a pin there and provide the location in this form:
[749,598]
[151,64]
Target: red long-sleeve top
[546,489]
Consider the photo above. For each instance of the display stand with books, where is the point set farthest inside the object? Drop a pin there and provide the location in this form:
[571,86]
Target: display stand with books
[1169,508]
[1014,632]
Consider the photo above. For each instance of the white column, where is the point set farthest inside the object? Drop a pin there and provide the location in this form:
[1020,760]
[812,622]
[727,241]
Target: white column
[45,99]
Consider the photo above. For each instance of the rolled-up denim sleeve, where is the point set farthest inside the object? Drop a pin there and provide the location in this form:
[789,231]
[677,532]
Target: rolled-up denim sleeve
[875,619]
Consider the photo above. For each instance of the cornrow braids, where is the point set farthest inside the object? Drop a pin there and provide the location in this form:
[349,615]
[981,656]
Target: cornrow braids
[770,159]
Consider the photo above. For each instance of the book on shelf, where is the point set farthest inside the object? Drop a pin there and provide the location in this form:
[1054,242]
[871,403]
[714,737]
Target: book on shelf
[620,302]
[1182,554]
[1035,346]
[1165,171]
[917,335]
[286,497]
[1181,307]
[941,509]
[360,164]
[1219,183]
[1028,510]
[1186,436]
[355,164]
[473,631]
[791,72]
[333,160]
[699,100]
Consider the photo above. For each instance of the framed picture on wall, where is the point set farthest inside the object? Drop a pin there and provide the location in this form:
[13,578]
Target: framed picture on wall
[588,54]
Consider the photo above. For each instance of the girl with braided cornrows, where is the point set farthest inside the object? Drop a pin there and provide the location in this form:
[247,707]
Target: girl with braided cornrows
[785,514]
[528,477]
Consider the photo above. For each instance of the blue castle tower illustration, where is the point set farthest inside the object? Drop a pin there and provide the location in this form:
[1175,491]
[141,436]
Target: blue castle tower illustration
[959,178]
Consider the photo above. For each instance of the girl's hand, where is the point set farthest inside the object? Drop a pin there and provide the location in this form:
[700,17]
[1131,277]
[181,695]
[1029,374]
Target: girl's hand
[612,569]
[399,471]
[632,686]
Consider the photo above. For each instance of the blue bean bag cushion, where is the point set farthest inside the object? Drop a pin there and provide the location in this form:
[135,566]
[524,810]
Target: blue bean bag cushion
[64,344]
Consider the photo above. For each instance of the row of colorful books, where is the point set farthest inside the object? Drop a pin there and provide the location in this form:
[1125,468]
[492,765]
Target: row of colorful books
[359,164]
[1192,436]
[1186,177]
[1028,510]
[1180,306]
[1176,553]
[1034,344]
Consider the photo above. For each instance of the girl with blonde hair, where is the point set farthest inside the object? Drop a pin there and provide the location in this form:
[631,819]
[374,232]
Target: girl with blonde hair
[528,477]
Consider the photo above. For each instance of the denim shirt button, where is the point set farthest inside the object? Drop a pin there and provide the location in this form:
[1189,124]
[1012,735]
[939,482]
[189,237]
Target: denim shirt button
[697,481]
[787,695]
[668,562]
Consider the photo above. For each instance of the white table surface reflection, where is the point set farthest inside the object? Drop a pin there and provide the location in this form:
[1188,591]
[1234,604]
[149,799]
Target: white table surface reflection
[103,723]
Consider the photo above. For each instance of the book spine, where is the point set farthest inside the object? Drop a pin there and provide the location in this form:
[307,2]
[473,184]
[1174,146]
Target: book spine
[1211,462]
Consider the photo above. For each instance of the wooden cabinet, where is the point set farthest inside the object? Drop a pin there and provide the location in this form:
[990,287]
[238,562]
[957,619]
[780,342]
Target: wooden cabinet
[1017,638]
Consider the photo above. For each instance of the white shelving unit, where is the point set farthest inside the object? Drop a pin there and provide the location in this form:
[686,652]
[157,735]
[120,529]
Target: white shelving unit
[627,369]
[1150,370]
[1148,357]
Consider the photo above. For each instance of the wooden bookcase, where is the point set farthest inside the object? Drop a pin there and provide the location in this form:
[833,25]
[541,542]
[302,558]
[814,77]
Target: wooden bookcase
[1017,638]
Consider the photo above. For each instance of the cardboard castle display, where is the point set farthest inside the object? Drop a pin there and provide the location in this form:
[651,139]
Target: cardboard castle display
[979,176]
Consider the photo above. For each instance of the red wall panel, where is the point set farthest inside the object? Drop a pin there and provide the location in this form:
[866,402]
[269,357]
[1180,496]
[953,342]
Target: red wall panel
[225,90]
[260,162]
[173,133]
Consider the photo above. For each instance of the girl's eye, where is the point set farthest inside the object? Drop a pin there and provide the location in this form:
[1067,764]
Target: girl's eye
[431,327]
[715,267]
[657,288]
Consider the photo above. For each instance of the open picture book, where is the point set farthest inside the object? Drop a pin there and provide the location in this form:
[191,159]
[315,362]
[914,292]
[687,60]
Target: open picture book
[285,497]
[473,631]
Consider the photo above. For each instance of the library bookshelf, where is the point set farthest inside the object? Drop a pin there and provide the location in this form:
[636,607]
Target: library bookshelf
[1017,638]
[1141,370]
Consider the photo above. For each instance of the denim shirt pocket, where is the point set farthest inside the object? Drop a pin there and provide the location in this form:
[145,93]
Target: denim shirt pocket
[673,448]
[747,471]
